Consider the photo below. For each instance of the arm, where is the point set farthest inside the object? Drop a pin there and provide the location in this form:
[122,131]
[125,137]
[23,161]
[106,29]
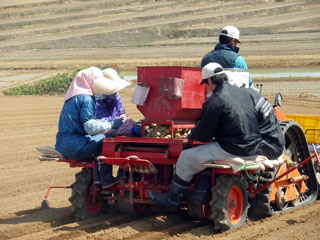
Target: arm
[94,127]
[241,63]
[206,127]
[120,107]
[91,125]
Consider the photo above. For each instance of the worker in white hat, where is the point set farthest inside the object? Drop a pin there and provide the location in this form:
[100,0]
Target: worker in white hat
[226,53]
[237,122]
[110,106]
[80,134]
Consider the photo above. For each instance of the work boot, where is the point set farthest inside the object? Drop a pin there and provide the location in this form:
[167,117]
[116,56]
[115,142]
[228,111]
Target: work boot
[204,185]
[96,173]
[172,199]
[106,177]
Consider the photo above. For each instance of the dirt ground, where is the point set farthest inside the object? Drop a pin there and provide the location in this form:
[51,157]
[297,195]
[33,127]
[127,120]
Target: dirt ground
[30,121]
[41,38]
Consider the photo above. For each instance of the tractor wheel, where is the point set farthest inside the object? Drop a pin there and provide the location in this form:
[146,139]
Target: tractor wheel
[317,168]
[296,149]
[83,204]
[126,207]
[229,202]
[261,206]
[199,211]
[134,208]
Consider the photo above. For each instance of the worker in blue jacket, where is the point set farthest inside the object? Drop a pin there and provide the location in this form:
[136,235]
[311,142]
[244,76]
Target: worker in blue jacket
[226,53]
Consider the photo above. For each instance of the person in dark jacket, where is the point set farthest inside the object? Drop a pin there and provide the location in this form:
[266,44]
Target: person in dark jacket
[238,120]
[226,53]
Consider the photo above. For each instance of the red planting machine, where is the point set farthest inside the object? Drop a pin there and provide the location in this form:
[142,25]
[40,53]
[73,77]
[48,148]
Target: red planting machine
[170,98]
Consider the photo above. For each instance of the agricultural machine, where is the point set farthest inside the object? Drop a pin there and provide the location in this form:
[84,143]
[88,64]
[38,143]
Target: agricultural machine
[170,98]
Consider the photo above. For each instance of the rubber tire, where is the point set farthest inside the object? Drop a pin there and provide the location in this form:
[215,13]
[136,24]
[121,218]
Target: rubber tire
[198,211]
[261,206]
[81,199]
[296,142]
[219,202]
[317,169]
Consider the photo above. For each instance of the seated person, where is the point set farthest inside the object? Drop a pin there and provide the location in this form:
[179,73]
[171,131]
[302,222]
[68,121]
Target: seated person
[242,123]
[80,134]
[110,107]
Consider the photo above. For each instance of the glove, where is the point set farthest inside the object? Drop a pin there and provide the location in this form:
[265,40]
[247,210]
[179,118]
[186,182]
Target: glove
[115,124]
[189,137]
[136,131]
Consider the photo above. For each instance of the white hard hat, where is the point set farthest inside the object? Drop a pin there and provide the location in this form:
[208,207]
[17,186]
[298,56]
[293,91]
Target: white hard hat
[231,31]
[208,71]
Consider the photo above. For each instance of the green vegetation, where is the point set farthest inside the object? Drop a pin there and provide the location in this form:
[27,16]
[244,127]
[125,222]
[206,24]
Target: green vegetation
[57,84]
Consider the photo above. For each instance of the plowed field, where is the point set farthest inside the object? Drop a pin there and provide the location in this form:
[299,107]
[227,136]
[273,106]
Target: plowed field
[42,37]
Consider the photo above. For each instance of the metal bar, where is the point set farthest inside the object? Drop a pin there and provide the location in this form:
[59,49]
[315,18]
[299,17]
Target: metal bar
[49,189]
[316,153]
[311,129]
[285,173]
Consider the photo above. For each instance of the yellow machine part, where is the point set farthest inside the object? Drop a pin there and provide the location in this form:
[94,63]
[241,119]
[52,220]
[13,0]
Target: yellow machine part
[310,125]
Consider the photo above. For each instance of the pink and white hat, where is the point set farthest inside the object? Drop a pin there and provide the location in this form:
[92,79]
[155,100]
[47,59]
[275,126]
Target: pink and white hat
[92,81]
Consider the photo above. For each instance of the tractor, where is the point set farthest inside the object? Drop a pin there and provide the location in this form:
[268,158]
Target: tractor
[170,98]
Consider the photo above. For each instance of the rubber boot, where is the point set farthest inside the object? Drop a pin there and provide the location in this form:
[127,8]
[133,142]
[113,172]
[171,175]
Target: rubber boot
[106,177]
[204,185]
[172,199]
[96,173]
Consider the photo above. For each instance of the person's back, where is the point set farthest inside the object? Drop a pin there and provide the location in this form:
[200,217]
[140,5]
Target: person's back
[226,53]
[70,138]
[241,121]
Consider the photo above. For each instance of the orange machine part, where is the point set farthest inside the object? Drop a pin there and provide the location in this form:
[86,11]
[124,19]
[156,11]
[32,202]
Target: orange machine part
[288,182]
[280,115]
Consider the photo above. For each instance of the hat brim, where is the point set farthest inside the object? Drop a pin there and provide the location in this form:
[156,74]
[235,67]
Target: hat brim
[121,84]
[104,86]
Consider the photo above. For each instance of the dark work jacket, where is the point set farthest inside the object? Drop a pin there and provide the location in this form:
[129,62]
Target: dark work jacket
[242,121]
[224,54]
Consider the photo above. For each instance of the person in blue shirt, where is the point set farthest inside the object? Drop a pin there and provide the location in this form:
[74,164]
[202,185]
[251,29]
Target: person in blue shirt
[80,134]
[226,52]
[110,107]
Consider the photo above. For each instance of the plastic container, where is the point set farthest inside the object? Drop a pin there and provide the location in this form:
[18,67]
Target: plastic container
[310,125]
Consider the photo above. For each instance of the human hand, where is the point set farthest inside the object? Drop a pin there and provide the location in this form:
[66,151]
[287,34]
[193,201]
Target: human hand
[115,124]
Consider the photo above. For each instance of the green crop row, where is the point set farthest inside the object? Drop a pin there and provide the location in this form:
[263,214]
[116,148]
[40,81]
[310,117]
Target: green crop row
[57,84]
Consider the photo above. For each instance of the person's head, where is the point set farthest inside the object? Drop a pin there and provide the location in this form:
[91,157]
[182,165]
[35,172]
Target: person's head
[213,75]
[229,35]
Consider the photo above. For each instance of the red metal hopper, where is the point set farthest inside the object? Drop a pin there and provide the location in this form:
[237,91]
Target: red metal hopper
[174,93]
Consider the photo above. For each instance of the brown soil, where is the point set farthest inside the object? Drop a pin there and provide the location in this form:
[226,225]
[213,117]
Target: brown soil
[30,121]
[44,37]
